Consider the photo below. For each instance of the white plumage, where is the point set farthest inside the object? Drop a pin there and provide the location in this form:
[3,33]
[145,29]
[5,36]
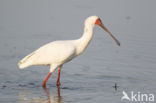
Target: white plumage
[56,53]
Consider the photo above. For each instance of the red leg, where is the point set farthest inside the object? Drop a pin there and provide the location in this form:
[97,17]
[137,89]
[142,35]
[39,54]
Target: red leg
[58,77]
[44,83]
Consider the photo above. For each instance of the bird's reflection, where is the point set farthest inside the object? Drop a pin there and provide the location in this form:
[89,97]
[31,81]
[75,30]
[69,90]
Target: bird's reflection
[27,97]
[47,92]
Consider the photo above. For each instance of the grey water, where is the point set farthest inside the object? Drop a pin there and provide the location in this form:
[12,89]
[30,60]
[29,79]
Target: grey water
[25,25]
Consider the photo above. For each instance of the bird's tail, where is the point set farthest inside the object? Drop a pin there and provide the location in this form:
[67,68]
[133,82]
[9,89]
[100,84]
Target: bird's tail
[25,62]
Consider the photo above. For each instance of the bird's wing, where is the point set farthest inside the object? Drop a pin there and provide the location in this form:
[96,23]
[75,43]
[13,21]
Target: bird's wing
[55,52]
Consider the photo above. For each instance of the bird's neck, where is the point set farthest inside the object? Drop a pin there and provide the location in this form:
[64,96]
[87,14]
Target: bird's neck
[83,42]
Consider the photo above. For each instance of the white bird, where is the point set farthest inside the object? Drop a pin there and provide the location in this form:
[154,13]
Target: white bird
[56,53]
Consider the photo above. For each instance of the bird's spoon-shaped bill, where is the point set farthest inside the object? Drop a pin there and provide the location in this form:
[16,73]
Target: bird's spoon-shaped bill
[102,26]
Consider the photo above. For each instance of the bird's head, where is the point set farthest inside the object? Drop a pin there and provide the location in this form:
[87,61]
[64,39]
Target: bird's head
[95,20]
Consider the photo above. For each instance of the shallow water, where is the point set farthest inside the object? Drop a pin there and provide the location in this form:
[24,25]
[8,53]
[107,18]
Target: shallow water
[91,77]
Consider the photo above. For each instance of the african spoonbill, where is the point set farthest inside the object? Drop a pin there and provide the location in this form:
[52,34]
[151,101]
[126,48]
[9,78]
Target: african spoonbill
[56,53]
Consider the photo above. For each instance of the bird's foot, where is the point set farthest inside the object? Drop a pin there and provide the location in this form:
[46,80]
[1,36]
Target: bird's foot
[43,85]
[58,83]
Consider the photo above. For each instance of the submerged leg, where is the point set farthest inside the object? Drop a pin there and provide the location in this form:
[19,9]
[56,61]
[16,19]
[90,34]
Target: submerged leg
[58,77]
[44,83]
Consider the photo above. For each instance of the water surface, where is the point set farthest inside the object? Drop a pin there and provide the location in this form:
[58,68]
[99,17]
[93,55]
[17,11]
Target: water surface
[90,78]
